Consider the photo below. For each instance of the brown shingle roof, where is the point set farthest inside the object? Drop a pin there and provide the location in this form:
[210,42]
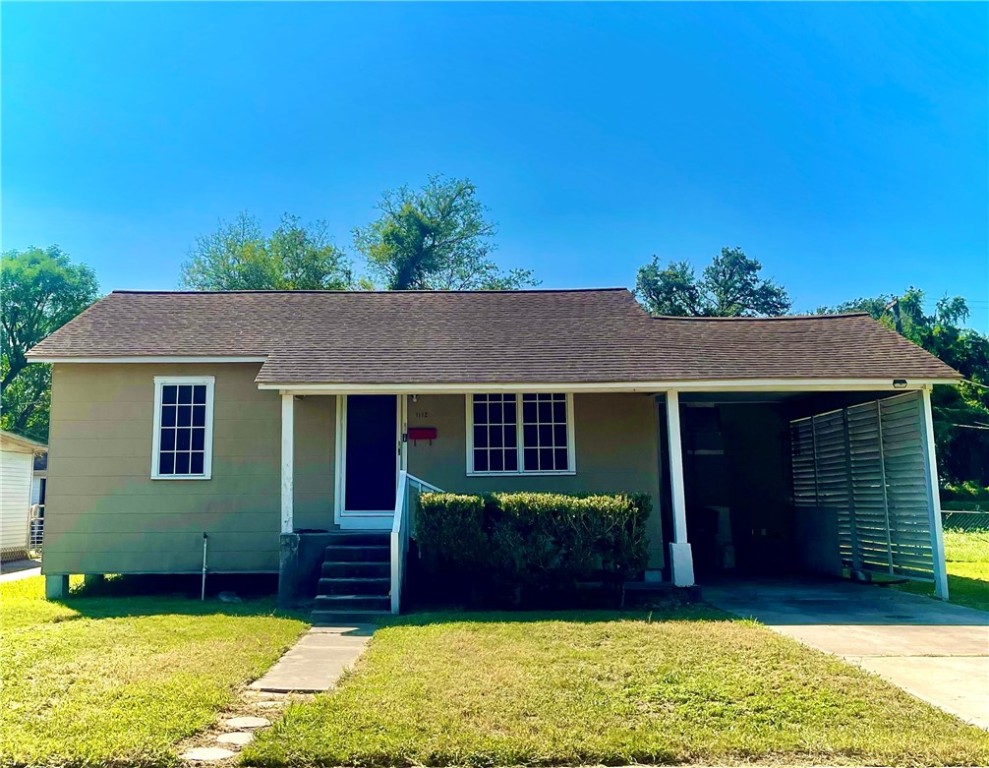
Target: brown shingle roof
[482,337]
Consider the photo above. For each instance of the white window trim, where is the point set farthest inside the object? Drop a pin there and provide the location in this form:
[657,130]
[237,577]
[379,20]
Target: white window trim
[160,382]
[520,472]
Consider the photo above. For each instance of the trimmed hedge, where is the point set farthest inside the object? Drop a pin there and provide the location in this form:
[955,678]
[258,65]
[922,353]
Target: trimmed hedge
[529,547]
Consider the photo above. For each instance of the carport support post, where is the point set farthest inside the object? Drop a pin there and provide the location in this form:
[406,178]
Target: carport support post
[933,497]
[288,461]
[288,548]
[681,558]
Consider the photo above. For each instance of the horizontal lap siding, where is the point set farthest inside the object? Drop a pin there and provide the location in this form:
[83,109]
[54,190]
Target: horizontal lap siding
[15,500]
[104,514]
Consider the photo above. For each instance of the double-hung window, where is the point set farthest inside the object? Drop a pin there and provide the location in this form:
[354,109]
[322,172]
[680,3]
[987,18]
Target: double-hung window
[520,433]
[183,429]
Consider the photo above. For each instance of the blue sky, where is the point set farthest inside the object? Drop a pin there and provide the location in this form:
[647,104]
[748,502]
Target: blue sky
[843,145]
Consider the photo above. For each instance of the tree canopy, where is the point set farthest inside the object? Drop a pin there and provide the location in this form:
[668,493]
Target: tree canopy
[730,286]
[961,413]
[42,290]
[435,238]
[239,256]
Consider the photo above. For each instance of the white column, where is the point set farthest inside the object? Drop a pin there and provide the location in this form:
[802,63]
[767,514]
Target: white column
[288,461]
[681,558]
[933,498]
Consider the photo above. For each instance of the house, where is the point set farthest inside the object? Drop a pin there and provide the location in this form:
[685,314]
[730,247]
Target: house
[17,461]
[297,427]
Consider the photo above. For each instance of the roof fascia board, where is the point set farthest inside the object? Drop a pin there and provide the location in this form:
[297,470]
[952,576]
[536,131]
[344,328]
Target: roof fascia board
[150,359]
[745,385]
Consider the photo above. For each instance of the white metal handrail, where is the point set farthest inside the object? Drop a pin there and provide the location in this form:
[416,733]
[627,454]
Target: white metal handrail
[36,525]
[407,485]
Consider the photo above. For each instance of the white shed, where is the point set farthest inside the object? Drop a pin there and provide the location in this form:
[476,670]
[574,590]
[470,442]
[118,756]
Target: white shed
[16,480]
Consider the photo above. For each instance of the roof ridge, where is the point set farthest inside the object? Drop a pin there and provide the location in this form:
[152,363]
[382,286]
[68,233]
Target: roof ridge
[363,292]
[827,316]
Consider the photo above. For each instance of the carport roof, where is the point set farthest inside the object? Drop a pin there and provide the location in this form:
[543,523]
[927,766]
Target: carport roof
[479,337]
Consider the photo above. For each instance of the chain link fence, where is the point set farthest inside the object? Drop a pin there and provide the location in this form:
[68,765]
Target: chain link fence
[965,520]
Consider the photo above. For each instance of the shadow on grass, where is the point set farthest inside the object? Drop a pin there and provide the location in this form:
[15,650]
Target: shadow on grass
[151,595]
[695,612]
[968,591]
[963,590]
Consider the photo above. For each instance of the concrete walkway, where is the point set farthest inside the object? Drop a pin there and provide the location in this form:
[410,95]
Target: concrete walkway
[19,569]
[936,651]
[316,661]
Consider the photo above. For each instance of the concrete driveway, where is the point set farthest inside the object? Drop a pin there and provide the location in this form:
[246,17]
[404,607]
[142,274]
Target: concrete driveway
[935,651]
[19,569]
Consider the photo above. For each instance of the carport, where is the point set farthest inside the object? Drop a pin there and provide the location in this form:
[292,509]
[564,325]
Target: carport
[787,482]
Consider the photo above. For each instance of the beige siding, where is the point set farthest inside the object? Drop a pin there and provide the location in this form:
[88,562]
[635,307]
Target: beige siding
[615,436]
[105,514]
[315,442]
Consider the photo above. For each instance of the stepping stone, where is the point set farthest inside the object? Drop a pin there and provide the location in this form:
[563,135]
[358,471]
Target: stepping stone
[207,754]
[247,722]
[239,739]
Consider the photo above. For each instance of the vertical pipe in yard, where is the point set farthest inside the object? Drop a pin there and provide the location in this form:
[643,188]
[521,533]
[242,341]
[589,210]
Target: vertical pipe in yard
[202,591]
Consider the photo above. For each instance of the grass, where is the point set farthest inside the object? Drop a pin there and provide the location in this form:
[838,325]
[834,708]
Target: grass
[596,688]
[117,680]
[967,554]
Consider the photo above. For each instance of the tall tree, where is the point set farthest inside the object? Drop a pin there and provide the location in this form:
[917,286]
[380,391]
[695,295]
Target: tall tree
[239,256]
[730,286]
[961,413]
[42,290]
[435,238]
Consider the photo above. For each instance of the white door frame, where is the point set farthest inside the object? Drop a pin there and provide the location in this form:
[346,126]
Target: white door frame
[364,520]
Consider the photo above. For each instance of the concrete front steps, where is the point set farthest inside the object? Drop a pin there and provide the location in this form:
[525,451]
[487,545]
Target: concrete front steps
[355,581]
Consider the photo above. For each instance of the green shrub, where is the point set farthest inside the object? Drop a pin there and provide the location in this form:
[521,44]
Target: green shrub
[454,527]
[530,547]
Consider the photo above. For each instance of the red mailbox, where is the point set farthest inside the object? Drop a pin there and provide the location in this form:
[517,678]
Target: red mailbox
[422,433]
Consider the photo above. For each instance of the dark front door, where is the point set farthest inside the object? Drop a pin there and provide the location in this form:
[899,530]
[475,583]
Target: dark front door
[372,453]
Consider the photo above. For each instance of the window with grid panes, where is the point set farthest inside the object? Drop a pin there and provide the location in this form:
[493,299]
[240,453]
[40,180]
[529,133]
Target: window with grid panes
[544,433]
[183,432]
[496,433]
[520,433]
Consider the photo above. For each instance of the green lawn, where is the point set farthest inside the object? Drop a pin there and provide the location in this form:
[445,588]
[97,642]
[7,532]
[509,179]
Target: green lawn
[118,680]
[967,553]
[591,688]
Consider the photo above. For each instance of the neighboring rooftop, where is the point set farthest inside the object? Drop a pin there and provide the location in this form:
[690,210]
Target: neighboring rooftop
[16,442]
[490,337]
